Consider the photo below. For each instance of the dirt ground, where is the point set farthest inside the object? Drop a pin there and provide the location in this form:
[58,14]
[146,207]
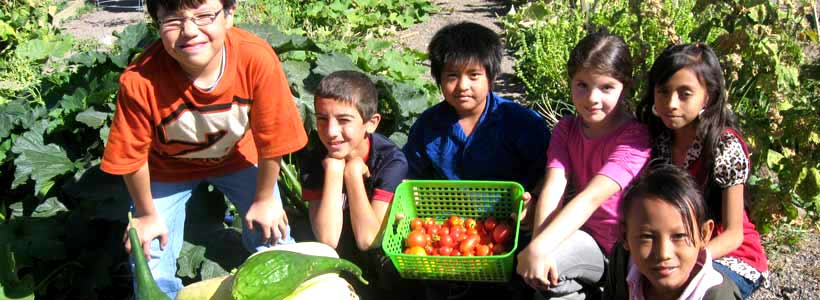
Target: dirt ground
[795,272]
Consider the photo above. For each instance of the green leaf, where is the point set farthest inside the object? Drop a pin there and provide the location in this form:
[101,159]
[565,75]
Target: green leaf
[38,161]
[49,208]
[104,134]
[757,13]
[131,37]
[808,187]
[93,118]
[269,33]
[329,63]
[296,71]
[399,138]
[6,31]
[12,114]
[190,259]
[38,49]
[75,101]
[773,159]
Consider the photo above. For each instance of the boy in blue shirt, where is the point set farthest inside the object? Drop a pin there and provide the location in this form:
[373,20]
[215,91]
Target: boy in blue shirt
[350,181]
[474,134]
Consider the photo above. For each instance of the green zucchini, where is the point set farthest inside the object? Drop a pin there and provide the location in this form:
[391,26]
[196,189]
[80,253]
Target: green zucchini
[147,288]
[275,274]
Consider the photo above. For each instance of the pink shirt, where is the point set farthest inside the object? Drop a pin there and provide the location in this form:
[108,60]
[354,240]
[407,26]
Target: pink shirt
[620,156]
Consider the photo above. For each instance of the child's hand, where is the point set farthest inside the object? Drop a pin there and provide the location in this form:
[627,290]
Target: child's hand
[268,216]
[526,218]
[333,164]
[537,268]
[356,167]
[148,228]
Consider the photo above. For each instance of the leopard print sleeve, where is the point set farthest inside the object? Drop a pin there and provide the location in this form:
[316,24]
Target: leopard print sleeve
[731,163]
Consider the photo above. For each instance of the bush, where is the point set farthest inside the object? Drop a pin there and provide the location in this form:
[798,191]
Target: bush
[760,44]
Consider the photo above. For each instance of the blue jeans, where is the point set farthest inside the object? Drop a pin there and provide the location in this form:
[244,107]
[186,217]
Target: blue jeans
[746,286]
[170,199]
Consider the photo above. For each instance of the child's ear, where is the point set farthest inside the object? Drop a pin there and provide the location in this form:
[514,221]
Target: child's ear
[373,123]
[229,13]
[706,230]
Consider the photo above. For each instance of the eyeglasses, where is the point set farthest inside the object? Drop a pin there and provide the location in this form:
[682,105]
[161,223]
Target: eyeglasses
[202,19]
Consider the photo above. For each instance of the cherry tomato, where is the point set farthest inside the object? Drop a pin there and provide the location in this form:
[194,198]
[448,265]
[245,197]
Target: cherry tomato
[444,230]
[416,239]
[415,251]
[428,239]
[482,250]
[469,223]
[416,224]
[445,251]
[490,223]
[434,229]
[428,223]
[485,238]
[499,249]
[467,246]
[455,221]
[502,233]
[471,231]
[455,253]
[446,241]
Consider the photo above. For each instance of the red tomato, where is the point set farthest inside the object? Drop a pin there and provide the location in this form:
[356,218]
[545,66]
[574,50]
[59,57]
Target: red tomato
[444,230]
[428,223]
[415,251]
[472,231]
[416,224]
[467,246]
[433,230]
[469,223]
[502,233]
[499,249]
[446,241]
[416,239]
[445,251]
[482,250]
[485,238]
[490,223]
[455,221]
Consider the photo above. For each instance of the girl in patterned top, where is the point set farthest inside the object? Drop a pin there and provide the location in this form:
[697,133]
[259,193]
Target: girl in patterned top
[687,113]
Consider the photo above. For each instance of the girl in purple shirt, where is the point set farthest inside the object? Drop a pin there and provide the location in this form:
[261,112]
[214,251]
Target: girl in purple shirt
[597,154]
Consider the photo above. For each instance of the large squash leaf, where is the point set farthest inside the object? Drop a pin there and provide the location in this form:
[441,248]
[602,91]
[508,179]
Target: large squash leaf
[38,161]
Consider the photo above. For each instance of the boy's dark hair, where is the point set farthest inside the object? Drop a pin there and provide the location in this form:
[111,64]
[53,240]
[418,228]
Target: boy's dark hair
[672,185]
[464,43]
[175,5]
[350,87]
[602,53]
[716,117]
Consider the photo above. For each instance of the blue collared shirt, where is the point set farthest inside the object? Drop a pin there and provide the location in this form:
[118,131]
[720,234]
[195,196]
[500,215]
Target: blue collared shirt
[508,143]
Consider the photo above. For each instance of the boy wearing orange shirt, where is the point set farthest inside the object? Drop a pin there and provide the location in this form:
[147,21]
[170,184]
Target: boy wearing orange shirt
[207,103]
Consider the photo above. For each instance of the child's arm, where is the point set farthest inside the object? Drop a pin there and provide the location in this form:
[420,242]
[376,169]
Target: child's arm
[366,216]
[549,199]
[535,263]
[266,212]
[326,214]
[732,236]
[147,222]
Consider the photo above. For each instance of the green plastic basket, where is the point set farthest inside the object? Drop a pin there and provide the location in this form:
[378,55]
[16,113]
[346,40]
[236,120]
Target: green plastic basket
[440,199]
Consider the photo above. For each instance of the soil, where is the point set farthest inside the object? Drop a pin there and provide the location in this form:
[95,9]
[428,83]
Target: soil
[794,271]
